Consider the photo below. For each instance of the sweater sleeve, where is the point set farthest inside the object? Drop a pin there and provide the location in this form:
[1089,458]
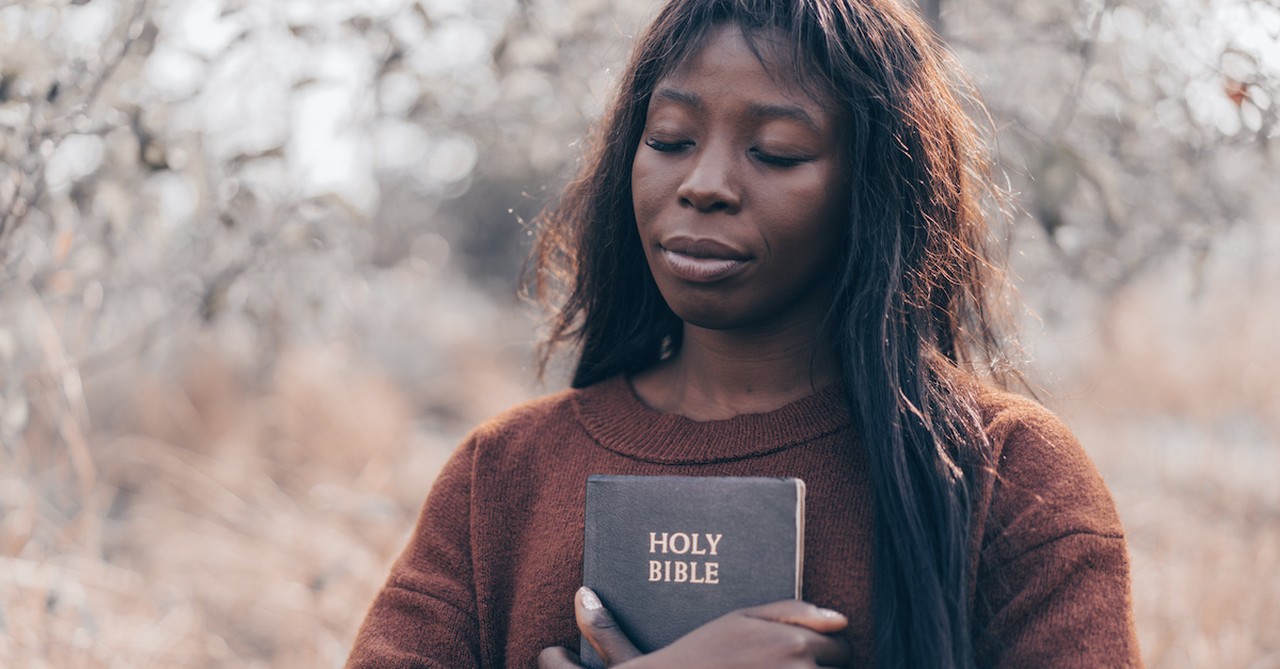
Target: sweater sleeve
[1053,572]
[425,615]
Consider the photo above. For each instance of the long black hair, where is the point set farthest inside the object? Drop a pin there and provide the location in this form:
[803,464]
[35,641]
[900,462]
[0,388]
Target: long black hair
[914,318]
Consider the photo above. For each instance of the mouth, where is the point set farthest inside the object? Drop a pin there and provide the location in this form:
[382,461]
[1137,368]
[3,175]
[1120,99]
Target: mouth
[703,249]
[701,260]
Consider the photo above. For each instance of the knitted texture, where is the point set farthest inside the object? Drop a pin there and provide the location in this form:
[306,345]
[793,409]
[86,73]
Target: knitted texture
[488,577]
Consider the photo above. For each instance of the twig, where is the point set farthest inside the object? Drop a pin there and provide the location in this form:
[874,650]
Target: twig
[1071,103]
[39,133]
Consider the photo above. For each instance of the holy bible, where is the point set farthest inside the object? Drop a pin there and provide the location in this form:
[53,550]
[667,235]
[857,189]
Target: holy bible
[667,554]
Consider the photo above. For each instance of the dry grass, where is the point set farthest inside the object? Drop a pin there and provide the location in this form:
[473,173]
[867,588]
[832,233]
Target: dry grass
[219,524]
[1177,396]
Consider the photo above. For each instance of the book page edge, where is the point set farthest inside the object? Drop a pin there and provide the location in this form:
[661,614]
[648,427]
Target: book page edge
[800,491]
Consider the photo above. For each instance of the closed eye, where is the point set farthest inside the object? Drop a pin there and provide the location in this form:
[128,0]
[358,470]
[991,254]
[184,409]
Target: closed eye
[666,147]
[776,160]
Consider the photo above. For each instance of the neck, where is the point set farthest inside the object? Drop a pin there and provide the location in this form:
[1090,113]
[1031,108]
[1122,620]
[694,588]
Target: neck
[722,374]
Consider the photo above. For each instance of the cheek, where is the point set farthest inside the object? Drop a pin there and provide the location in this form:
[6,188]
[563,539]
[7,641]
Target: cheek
[650,185]
[831,207]
[641,189]
[816,215]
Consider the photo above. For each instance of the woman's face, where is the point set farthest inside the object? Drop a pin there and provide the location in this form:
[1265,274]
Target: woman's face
[740,193]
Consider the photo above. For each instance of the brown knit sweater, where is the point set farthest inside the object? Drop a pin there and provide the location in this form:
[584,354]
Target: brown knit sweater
[488,578]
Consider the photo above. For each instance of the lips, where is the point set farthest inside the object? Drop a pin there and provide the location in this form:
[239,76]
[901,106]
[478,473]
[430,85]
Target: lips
[701,260]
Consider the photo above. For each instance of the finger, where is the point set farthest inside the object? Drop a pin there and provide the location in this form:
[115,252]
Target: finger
[826,650]
[804,614]
[831,651]
[600,629]
[558,657]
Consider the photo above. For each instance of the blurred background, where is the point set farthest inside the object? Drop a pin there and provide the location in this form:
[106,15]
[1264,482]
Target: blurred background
[260,268]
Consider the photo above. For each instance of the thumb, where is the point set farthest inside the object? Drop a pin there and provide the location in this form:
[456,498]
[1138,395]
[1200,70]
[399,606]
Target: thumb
[600,629]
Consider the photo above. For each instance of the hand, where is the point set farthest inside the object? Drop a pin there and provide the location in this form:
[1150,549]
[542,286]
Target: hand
[788,633]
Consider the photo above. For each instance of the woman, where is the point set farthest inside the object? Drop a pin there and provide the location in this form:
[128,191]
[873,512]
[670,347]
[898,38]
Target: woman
[775,263]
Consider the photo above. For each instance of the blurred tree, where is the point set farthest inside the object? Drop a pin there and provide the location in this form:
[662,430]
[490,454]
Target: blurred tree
[1133,128]
[932,12]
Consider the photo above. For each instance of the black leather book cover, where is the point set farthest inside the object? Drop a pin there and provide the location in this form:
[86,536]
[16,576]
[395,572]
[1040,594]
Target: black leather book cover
[669,553]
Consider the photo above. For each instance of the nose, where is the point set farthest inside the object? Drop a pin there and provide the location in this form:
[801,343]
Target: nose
[709,185]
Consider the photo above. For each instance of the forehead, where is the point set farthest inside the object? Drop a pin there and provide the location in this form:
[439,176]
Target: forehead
[729,65]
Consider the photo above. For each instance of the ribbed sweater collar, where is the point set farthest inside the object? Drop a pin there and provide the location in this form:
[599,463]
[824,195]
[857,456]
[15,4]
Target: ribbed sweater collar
[619,421]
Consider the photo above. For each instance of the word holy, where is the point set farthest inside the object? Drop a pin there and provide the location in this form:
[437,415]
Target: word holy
[684,571]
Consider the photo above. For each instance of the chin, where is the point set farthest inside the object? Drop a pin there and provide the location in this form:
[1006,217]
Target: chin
[711,316]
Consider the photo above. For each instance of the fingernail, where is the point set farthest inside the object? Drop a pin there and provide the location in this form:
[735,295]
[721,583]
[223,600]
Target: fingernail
[828,613]
[589,600]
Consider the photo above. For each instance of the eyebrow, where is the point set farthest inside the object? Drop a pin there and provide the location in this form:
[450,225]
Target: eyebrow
[789,112]
[683,98]
[759,110]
